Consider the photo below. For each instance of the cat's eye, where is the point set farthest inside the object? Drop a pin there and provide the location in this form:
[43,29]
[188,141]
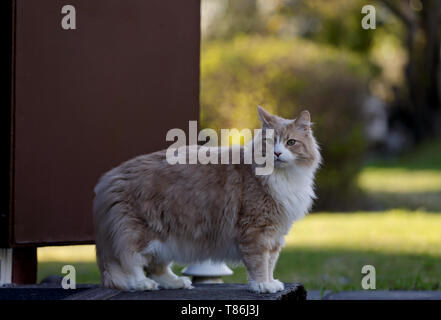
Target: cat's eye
[291,142]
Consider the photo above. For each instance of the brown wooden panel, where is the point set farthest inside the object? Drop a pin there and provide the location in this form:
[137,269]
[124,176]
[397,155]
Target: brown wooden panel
[90,98]
[24,265]
[6,22]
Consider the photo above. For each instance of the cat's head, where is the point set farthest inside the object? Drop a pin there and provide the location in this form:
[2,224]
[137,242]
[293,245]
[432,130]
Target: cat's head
[294,143]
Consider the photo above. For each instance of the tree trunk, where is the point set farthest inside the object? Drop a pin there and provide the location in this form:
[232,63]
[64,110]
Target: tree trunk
[422,70]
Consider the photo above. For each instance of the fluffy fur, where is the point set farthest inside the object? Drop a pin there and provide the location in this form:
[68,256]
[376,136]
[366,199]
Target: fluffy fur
[148,213]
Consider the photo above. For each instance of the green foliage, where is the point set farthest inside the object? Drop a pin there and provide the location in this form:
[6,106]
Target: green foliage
[286,76]
[333,22]
[426,156]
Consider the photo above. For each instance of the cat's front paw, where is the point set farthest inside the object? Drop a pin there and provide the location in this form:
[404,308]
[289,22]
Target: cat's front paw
[266,287]
[278,284]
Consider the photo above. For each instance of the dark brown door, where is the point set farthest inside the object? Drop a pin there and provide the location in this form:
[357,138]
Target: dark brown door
[88,99]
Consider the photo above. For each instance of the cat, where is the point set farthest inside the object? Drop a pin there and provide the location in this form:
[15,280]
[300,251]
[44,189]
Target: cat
[149,213]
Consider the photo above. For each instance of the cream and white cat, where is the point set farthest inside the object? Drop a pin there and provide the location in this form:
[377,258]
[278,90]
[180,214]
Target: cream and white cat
[149,213]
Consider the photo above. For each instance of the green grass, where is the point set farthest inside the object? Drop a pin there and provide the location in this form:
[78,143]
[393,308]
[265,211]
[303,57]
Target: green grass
[412,181]
[327,251]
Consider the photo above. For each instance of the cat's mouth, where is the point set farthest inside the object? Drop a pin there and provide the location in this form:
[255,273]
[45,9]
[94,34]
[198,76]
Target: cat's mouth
[278,161]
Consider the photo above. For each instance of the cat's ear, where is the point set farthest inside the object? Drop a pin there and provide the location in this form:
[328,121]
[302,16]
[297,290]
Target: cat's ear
[303,121]
[265,117]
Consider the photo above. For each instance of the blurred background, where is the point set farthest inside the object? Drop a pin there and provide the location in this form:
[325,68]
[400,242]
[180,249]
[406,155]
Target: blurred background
[374,96]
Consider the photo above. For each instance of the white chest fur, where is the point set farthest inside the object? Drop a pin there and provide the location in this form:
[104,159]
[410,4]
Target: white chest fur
[292,189]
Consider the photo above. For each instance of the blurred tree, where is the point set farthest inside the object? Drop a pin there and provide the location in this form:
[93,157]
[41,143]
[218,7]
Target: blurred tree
[420,108]
[415,102]
[335,22]
[230,17]
[286,76]
[287,54]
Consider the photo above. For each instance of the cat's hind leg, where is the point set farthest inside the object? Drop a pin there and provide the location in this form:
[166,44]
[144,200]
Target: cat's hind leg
[121,263]
[164,276]
[128,275]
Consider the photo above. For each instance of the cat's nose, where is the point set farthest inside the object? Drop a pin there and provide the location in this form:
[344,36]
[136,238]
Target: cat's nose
[277,153]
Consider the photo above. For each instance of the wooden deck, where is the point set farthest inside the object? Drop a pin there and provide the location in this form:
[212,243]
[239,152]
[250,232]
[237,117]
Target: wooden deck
[293,291]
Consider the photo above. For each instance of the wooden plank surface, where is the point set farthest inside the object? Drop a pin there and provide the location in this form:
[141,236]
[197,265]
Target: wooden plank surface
[293,291]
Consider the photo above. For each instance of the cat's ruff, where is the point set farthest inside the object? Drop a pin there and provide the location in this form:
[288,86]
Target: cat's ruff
[149,213]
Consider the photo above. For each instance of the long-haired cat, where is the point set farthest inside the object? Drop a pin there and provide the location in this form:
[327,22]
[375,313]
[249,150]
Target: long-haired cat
[149,213]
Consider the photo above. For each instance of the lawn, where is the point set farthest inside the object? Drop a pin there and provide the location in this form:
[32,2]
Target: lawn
[412,181]
[326,251]
[411,189]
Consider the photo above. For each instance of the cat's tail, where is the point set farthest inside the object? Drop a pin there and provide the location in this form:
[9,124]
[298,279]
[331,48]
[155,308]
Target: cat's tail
[107,207]
[117,235]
